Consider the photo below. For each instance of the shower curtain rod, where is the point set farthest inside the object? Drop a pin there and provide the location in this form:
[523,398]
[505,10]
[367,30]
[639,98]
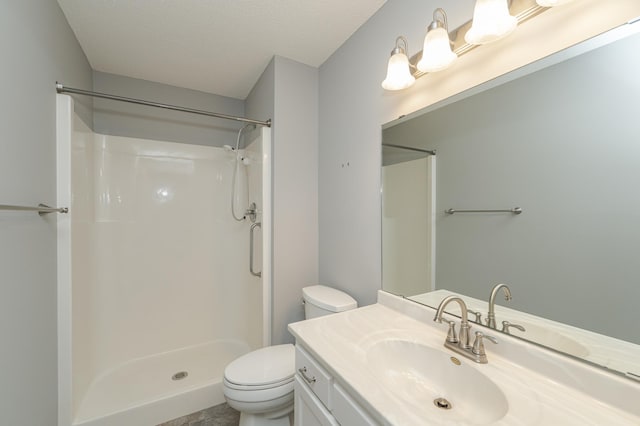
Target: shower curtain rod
[408,148]
[61,88]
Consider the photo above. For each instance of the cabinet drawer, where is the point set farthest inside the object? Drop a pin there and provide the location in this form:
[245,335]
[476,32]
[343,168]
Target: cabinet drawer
[316,377]
[347,411]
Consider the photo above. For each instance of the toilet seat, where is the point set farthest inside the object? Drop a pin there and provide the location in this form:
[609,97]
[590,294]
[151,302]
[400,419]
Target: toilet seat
[248,394]
[266,366]
[262,375]
[237,386]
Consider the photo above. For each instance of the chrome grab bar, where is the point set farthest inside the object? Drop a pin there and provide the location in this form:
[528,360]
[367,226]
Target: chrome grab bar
[42,209]
[253,226]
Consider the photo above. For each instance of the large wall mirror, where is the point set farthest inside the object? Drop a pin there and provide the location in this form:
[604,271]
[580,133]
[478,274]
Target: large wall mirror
[562,142]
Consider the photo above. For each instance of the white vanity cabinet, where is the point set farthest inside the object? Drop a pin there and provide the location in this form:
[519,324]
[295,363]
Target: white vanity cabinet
[320,400]
[309,411]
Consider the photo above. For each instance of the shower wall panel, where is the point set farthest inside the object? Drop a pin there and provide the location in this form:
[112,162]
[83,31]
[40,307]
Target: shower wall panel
[158,262]
[255,181]
[82,170]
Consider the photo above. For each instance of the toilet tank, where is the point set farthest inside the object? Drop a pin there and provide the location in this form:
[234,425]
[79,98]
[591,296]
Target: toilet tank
[320,300]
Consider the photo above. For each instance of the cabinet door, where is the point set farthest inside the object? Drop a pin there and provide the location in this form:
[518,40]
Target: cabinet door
[308,410]
[347,411]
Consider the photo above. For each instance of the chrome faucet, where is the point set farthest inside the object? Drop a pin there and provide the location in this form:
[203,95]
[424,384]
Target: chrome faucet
[491,316]
[463,339]
[460,344]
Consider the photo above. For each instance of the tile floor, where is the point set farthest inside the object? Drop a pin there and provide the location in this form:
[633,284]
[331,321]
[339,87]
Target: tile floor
[220,415]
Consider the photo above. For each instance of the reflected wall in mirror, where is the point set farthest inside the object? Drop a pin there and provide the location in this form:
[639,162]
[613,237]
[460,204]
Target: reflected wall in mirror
[407,219]
[562,143]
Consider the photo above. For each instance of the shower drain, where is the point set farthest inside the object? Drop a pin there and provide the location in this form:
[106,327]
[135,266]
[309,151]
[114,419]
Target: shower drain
[179,375]
[442,403]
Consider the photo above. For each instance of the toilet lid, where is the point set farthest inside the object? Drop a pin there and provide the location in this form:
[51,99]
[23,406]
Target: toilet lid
[264,366]
[328,298]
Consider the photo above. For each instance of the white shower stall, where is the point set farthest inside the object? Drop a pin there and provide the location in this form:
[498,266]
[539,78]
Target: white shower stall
[155,294]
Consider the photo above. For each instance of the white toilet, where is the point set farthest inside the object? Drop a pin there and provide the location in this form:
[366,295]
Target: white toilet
[260,384]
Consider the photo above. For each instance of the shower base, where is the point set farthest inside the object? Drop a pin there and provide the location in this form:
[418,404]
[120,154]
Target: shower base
[144,392]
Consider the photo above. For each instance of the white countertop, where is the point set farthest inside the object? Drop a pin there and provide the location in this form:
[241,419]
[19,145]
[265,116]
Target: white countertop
[341,341]
[603,350]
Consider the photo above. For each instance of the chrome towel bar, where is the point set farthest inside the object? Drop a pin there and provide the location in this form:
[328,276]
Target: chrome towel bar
[515,210]
[42,209]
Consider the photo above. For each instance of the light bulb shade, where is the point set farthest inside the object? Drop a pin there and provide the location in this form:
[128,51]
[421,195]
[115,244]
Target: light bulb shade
[398,73]
[436,53]
[552,3]
[491,21]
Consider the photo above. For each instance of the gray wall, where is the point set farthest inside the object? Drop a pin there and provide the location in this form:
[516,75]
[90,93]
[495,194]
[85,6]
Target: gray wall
[288,92]
[295,192]
[137,121]
[37,48]
[260,102]
[352,109]
[561,143]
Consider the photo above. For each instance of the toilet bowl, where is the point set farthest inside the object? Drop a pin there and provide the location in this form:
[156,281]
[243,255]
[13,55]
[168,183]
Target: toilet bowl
[260,384]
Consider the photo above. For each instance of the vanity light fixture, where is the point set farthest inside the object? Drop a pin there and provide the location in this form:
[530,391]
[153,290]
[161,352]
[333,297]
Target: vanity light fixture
[399,69]
[436,53]
[491,21]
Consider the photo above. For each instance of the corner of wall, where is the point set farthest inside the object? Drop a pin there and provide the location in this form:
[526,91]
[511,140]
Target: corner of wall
[288,92]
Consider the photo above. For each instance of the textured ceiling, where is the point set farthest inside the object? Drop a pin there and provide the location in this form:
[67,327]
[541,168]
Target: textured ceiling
[215,46]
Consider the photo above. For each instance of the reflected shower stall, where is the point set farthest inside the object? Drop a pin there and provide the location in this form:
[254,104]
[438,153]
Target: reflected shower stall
[155,293]
[408,219]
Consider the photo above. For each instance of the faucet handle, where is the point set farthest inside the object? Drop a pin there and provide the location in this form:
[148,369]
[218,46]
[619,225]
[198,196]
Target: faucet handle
[477,314]
[452,337]
[478,345]
[506,325]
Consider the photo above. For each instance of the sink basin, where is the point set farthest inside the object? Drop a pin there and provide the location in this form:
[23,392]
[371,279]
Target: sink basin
[430,379]
[549,337]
